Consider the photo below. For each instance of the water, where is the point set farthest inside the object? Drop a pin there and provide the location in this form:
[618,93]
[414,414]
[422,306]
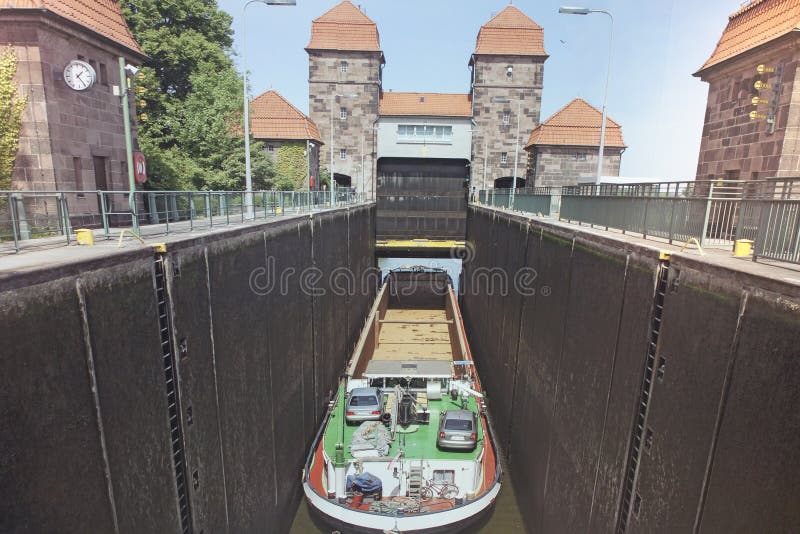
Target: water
[452,266]
[504,519]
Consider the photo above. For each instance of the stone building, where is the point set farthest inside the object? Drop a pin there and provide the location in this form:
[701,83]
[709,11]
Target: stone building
[69,139]
[345,65]
[760,45]
[288,135]
[507,77]
[564,148]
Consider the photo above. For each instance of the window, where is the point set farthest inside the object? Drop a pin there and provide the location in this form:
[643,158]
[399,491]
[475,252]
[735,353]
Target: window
[423,133]
[103,74]
[270,148]
[363,400]
[503,158]
[506,117]
[580,156]
[342,153]
[343,66]
[444,476]
[458,424]
[342,113]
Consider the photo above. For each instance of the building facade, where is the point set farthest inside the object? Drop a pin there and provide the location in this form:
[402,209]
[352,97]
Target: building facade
[69,139]
[290,138]
[752,122]
[564,149]
[345,65]
[507,79]
[419,154]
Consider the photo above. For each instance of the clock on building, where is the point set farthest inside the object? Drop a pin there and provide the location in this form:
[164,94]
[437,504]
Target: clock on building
[79,75]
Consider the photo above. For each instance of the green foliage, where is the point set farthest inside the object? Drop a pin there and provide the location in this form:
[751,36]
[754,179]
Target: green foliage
[192,96]
[291,164]
[11,108]
[324,176]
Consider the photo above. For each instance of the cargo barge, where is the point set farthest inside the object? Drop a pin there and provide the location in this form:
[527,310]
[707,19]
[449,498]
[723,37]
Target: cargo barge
[406,444]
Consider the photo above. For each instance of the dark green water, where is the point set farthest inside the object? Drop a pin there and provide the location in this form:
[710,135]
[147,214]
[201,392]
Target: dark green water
[505,519]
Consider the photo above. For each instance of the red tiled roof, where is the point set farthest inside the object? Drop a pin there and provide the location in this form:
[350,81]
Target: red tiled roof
[103,17]
[344,27]
[576,124]
[426,104]
[510,32]
[273,117]
[757,23]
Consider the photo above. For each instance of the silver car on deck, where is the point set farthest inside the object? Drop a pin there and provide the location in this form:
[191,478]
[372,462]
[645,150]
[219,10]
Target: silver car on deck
[364,404]
[458,429]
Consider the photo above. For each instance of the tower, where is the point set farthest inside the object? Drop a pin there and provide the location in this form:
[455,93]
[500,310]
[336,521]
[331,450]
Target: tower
[345,63]
[507,67]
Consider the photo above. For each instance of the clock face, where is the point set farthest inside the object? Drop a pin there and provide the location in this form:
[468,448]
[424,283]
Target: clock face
[79,75]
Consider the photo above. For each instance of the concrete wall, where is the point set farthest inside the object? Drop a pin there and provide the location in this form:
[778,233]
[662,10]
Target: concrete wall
[458,148]
[564,370]
[85,440]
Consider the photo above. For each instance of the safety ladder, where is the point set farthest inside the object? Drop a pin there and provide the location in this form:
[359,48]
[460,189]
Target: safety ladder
[415,481]
[170,378]
[631,501]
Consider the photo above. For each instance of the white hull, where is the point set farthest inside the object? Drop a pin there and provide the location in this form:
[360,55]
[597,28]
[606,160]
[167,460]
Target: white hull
[404,524]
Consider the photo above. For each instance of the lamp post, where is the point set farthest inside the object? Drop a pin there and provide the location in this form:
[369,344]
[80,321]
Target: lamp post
[248,174]
[334,96]
[505,100]
[124,92]
[584,11]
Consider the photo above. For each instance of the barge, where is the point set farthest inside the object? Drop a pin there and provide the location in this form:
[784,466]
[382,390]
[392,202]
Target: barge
[406,444]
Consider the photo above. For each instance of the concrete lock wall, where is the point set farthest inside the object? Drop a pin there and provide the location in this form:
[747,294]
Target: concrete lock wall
[564,368]
[85,435]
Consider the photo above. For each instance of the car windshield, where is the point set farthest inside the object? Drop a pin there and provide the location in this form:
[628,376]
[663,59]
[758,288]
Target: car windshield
[363,400]
[458,424]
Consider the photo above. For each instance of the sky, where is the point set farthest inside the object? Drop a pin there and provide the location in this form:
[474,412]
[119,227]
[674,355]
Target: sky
[658,44]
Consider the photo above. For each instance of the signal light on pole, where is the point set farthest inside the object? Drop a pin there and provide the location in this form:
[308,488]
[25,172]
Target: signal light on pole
[758,100]
[759,85]
[755,115]
[761,69]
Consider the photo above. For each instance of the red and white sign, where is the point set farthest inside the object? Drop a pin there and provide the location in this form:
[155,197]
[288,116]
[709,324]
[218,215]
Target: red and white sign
[139,167]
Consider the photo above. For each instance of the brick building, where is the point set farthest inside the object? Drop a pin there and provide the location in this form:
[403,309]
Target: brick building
[287,133]
[506,74]
[345,58]
[734,145]
[564,148]
[69,139]
[507,64]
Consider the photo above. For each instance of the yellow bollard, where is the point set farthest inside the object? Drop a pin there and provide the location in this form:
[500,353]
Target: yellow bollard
[742,247]
[84,236]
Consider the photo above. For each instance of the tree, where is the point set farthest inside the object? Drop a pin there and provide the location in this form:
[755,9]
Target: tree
[192,96]
[11,108]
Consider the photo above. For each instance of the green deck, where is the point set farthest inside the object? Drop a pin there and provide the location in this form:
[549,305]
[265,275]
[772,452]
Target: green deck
[418,445]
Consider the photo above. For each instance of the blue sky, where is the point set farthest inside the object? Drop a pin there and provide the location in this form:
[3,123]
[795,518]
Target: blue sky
[427,44]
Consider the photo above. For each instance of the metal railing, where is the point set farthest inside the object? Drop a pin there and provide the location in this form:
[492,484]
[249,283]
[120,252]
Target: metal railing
[30,219]
[540,200]
[714,212]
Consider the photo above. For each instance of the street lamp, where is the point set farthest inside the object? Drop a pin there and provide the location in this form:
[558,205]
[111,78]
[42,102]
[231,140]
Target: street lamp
[585,11]
[248,174]
[505,100]
[334,96]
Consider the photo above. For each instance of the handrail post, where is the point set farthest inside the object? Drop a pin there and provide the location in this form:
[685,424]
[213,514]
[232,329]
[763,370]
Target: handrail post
[644,222]
[12,207]
[104,213]
[241,201]
[708,214]
[63,208]
[672,218]
[166,211]
[191,211]
[22,219]
[209,209]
